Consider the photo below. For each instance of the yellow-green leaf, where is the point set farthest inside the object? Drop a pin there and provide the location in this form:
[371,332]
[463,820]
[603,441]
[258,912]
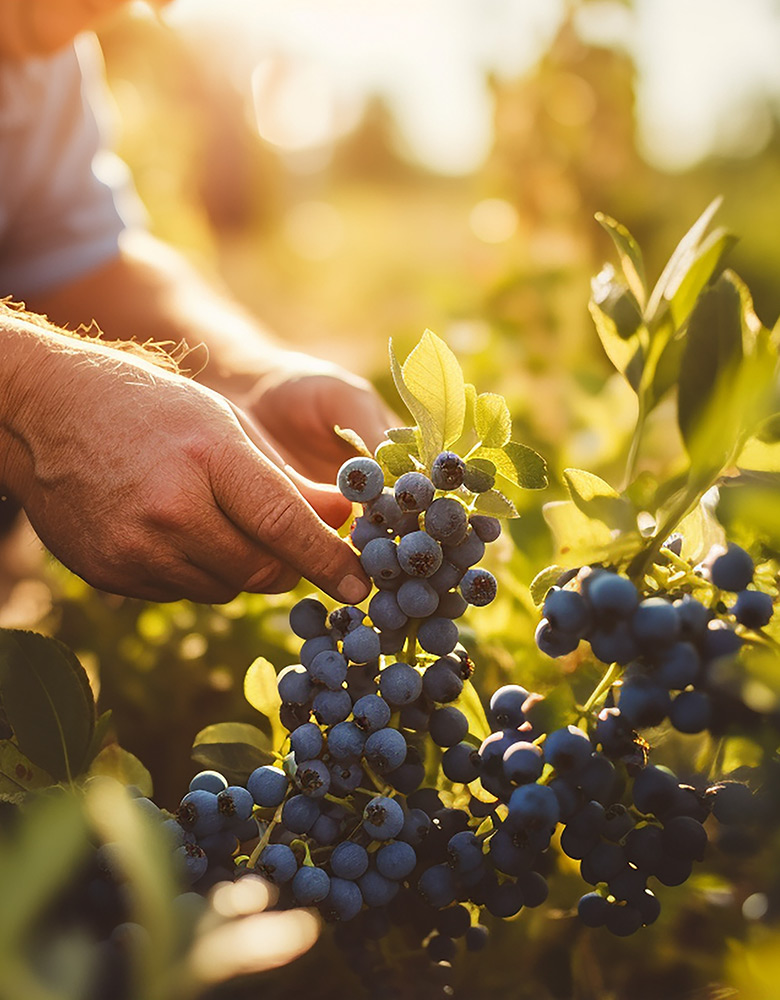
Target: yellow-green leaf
[470,418]
[434,378]
[18,774]
[518,463]
[402,435]
[114,761]
[597,499]
[681,260]
[469,703]
[262,692]
[626,355]
[542,582]
[353,439]
[630,255]
[424,420]
[235,748]
[577,537]
[496,504]
[493,420]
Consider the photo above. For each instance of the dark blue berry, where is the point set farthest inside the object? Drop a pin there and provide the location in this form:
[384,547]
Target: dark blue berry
[310,885]
[360,479]
[307,618]
[733,570]
[400,684]
[413,492]
[438,635]
[753,609]
[447,521]
[383,818]
[268,785]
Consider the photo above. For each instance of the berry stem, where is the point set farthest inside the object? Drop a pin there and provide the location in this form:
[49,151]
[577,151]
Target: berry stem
[601,688]
[380,786]
[341,802]
[643,560]
[264,840]
[409,653]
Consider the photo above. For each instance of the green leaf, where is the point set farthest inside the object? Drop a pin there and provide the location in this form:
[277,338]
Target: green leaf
[234,748]
[555,710]
[701,269]
[713,352]
[433,377]
[493,420]
[542,582]
[114,761]
[479,476]
[518,463]
[496,504]
[577,538]
[423,418]
[262,692]
[18,774]
[666,372]
[394,458]
[760,456]
[142,852]
[470,416]
[700,530]
[33,870]
[681,260]
[402,435]
[469,703]
[597,499]
[354,439]
[48,701]
[102,726]
[630,255]
[626,355]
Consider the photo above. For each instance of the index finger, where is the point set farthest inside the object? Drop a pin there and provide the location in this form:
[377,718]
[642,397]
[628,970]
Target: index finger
[262,502]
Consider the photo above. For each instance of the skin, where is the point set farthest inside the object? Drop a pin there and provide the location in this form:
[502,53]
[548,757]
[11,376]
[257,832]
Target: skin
[296,399]
[149,485]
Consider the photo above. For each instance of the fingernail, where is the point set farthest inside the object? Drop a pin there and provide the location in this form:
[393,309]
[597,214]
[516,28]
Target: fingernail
[352,590]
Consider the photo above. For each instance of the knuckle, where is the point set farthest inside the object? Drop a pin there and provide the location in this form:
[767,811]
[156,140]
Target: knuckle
[171,507]
[276,521]
[266,579]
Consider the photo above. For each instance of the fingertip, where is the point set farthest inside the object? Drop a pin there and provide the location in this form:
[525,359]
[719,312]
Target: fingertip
[353,590]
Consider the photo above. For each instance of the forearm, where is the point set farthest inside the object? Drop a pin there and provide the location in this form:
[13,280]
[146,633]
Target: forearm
[20,364]
[36,356]
[150,292]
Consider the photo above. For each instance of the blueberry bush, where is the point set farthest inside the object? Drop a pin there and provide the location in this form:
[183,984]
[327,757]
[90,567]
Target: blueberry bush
[517,767]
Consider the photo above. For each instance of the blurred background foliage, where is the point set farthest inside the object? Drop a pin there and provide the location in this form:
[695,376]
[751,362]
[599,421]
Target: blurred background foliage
[341,216]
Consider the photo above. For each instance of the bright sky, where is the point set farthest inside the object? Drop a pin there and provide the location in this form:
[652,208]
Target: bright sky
[701,64]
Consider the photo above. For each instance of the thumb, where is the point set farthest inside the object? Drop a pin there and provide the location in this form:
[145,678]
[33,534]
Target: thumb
[262,502]
[327,501]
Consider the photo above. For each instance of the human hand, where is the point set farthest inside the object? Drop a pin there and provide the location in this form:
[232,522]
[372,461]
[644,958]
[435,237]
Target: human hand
[145,484]
[300,400]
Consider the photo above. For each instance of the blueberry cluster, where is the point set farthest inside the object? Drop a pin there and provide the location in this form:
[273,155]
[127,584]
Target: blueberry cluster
[669,644]
[346,820]
[420,547]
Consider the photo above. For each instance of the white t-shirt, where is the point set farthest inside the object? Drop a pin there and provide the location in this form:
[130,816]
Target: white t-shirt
[59,189]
